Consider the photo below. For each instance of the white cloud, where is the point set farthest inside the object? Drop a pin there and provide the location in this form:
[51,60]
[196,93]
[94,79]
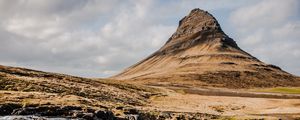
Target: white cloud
[270,30]
[289,30]
[254,38]
[101,60]
[267,13]
[33,28]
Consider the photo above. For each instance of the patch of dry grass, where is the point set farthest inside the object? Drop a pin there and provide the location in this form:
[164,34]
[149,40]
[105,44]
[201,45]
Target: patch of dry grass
[20,79]
[286,90]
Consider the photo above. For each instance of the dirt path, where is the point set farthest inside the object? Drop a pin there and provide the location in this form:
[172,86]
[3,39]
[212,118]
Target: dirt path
[208,91]
[236,93]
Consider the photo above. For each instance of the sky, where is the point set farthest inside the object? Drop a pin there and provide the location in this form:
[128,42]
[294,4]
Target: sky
[100,38]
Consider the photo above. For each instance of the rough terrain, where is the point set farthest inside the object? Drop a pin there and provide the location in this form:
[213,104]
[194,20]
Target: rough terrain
[24,92]
[233,107]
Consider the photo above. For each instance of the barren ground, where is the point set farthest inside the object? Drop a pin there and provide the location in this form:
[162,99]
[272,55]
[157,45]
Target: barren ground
[236,107]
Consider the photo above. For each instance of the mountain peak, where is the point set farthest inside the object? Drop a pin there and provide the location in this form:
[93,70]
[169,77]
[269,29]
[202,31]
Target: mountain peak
[198,27]
[196,21]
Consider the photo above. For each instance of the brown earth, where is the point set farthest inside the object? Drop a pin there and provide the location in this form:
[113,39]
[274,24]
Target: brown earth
[26,92]
[21,79]
[228,107]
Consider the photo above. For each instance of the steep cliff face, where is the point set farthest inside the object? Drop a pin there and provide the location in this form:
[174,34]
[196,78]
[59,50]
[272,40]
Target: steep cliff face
[199,27]
[200,51]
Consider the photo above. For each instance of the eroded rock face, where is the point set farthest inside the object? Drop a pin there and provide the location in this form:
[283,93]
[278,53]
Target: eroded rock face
[17,112]
[199,27]
[56,111]
[199,50]
[197,21]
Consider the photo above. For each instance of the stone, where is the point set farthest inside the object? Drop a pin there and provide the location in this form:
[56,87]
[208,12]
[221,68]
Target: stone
[7,109]
[104,114]
[130,111]
[88,116]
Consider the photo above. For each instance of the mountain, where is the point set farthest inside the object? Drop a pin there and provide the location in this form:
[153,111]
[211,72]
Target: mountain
[200,53]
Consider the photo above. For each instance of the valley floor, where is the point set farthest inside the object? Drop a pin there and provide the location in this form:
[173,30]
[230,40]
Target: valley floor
[227,106]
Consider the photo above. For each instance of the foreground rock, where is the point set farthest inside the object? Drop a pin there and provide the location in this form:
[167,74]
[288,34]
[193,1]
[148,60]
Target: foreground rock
[72,112]
[55,111]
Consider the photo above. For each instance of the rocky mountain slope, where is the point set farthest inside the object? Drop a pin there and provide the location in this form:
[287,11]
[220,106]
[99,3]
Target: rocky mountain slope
[26,80]
[200,53]
[30,92]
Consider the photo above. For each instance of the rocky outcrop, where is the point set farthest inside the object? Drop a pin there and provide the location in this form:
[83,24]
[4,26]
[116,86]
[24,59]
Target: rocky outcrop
[200,51]
[56,111]
[27,80]
[175,116]
[42,112]
[26,92]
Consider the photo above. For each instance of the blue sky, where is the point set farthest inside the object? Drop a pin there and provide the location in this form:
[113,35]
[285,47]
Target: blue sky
[99,38]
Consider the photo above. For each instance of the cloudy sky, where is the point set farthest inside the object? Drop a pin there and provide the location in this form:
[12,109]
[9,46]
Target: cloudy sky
[99,38]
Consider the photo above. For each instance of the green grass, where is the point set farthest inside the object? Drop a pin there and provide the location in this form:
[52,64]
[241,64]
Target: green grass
[290,90]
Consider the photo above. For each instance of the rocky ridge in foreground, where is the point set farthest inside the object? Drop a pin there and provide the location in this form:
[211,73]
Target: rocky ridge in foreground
[30,92]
